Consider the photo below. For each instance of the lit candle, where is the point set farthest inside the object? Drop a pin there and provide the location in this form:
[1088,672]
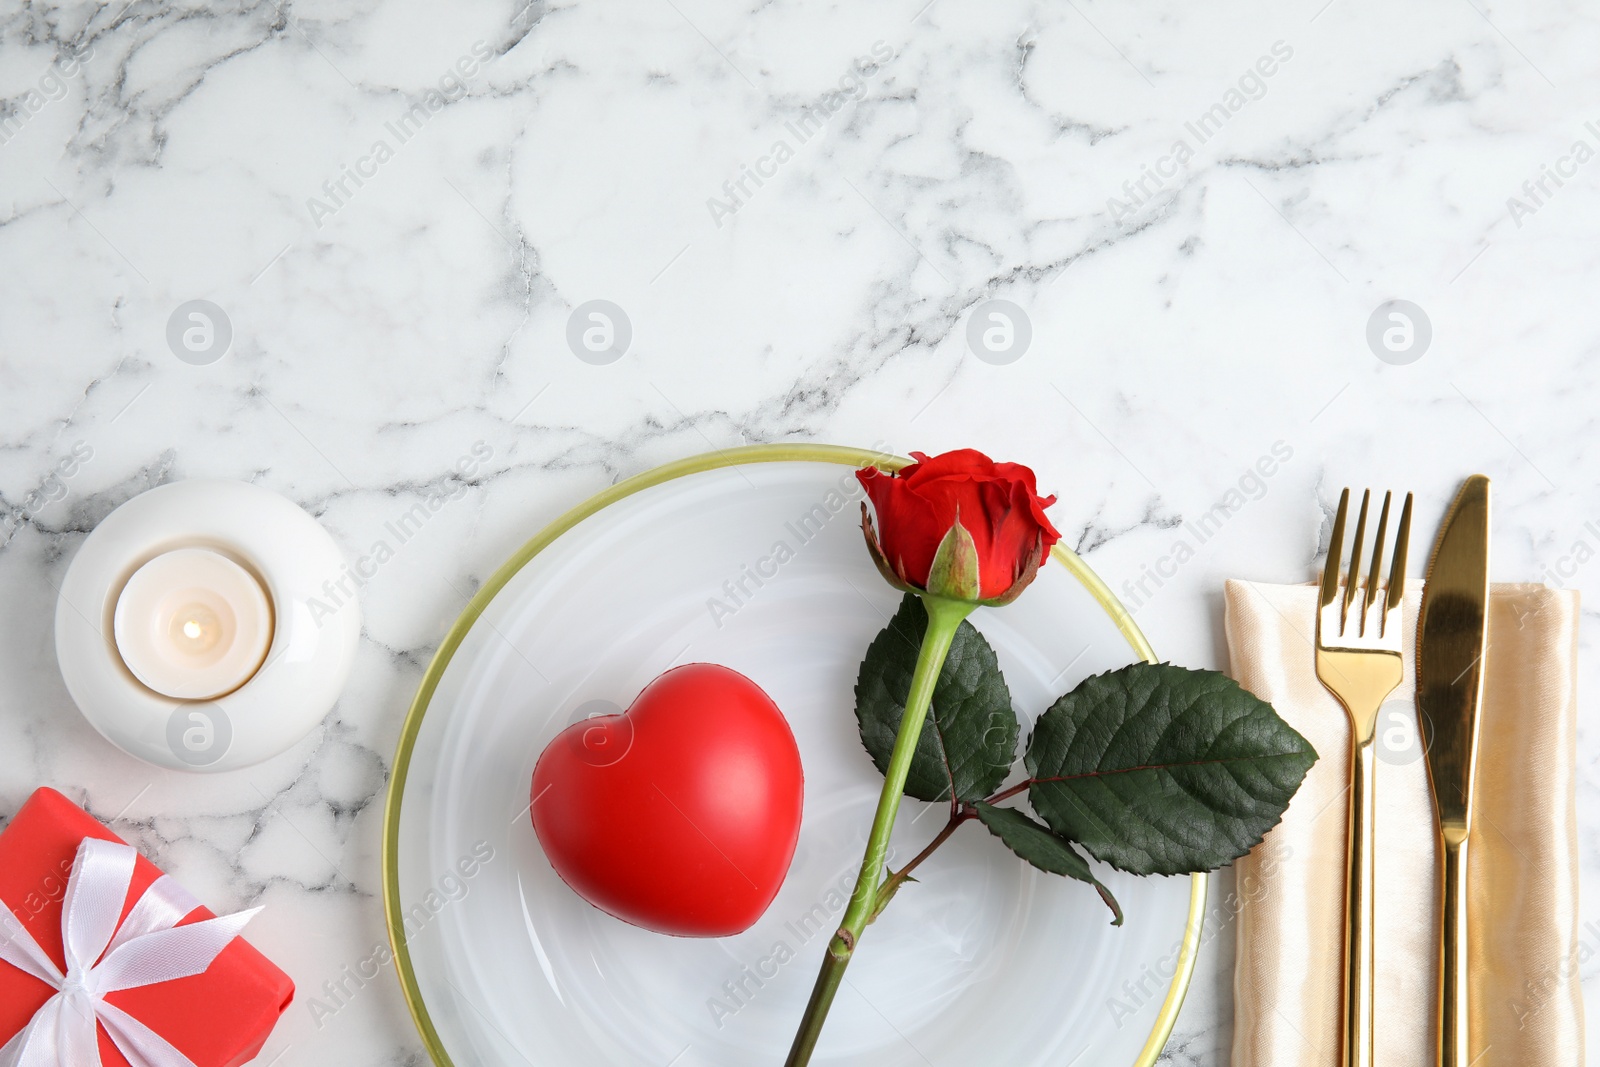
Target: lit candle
[192,624]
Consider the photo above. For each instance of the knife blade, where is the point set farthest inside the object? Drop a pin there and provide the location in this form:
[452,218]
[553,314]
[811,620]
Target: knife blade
[1452,628]
[1452,638]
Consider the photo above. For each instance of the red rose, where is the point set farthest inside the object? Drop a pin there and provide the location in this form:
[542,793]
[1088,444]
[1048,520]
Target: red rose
[958,525]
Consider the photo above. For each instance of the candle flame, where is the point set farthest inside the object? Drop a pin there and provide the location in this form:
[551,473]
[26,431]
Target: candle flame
[196,630]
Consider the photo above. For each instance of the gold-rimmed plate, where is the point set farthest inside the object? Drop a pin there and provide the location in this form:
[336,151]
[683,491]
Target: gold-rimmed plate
[753,558]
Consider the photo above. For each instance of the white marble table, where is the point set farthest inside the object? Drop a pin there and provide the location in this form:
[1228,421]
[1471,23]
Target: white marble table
[799,210]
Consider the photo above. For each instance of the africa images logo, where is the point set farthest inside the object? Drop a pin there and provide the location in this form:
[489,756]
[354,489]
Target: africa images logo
[452,85]
[1153,177]
[737,191]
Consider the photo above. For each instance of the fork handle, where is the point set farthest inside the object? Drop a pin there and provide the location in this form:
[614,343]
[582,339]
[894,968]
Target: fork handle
[1453,1017]
[1358,927]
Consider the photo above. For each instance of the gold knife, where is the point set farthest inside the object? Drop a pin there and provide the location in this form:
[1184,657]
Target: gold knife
[1451,640]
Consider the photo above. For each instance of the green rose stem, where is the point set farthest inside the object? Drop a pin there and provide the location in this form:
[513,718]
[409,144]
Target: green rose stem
[891,885]
[944,618]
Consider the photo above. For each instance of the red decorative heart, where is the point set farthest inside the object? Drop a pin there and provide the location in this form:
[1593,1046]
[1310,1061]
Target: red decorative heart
[681,814]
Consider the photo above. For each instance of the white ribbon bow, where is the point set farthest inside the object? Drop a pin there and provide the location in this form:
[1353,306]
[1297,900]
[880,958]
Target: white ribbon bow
[103,957]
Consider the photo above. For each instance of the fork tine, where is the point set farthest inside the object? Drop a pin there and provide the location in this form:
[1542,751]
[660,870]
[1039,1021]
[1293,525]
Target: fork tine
[1397,570]
[1330,566]
[1361,670]
[1377,562]
[1354,580]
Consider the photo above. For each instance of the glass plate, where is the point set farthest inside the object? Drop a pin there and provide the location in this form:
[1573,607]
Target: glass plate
[751,558]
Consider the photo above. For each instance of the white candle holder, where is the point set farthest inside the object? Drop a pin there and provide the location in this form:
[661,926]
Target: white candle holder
[316,625]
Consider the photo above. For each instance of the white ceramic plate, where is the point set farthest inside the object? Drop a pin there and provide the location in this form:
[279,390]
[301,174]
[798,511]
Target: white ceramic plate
[983,961]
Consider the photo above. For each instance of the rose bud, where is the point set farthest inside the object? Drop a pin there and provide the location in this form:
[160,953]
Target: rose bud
[958,525]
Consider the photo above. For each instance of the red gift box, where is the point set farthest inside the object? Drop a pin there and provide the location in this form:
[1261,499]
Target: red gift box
[218,1018]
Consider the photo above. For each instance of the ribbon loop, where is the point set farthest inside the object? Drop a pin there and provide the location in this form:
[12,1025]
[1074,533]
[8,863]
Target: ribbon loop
[103,956]
[96,889]
[163,905]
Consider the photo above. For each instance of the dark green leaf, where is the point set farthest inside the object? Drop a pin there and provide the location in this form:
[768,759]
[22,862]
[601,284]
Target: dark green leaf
[1043,848]
[1160,770]
[969,740]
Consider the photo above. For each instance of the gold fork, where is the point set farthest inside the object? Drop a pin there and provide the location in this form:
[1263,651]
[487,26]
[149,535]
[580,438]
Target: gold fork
[1359,662]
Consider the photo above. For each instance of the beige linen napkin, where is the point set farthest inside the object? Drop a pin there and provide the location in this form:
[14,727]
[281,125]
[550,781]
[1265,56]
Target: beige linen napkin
[1527,1009]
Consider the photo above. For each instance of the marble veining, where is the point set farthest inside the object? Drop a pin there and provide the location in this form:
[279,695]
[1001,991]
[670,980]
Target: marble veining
[1197,248]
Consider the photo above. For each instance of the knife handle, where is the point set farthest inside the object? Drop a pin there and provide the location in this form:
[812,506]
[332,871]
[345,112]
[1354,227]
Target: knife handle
[1357,1051]
[1453,1018]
